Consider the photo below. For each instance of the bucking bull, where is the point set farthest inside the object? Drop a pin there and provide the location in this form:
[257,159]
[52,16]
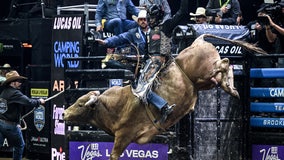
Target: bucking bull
[121,114]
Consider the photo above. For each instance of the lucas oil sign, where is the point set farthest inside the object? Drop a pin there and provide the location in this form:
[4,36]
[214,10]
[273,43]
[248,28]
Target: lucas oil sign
[102,151]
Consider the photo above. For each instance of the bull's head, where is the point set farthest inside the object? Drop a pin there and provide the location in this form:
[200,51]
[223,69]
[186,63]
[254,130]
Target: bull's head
[81,108]
[225,77]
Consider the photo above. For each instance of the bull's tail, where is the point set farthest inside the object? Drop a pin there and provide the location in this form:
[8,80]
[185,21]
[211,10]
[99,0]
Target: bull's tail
[247,46]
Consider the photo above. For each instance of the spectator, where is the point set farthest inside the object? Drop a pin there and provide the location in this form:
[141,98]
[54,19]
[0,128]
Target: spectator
[134,36]
[115,13]
[199,16]
[3,72]
[164,3]
[275,33]
[258,33]
[223,11]
[259,29]
[239,18]
[12,101]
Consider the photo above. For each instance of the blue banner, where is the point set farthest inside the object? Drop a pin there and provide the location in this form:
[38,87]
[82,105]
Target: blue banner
[267,122]
[233,32]
[267,107]
[267,72]
[267,92]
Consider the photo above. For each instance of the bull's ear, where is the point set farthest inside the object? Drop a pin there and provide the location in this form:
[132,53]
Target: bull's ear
[224,63]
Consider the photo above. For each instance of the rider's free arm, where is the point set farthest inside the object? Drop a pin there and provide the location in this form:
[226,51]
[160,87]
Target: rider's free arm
[170,24]
[118,40]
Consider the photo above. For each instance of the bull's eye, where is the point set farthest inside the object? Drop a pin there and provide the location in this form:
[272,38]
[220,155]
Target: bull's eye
[80,104]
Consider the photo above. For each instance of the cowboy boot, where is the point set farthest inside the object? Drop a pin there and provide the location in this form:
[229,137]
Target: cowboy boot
[146,78]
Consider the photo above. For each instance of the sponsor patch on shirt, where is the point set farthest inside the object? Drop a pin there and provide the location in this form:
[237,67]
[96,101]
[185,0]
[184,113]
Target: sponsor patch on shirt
[156,37]
[3,105]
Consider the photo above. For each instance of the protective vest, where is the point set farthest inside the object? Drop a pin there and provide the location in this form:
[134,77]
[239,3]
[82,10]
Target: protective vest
[158,42]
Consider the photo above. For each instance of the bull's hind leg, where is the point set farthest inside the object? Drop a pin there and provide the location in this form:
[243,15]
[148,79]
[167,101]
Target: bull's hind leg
[120,144]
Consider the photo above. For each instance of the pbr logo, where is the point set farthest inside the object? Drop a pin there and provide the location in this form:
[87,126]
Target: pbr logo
[3,105]
[39,118]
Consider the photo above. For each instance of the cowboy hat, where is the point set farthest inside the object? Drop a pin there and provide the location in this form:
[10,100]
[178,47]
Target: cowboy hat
[200,11]
[141,14]
[6,65]
[13,76]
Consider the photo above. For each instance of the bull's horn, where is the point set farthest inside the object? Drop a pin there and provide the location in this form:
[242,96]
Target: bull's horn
[93,99]
[96,93]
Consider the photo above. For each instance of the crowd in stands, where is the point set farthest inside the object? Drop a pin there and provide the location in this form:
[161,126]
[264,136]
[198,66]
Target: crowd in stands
[112,15]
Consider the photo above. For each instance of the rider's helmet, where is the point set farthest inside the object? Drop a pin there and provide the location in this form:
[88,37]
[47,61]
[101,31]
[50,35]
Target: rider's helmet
[155,15]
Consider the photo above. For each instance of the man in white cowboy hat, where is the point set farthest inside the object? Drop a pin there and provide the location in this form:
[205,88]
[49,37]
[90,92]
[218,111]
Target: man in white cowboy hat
[12,101]
[135,35]
[199,16]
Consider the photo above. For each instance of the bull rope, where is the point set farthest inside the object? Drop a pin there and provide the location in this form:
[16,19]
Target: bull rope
[155,122]
[188,79]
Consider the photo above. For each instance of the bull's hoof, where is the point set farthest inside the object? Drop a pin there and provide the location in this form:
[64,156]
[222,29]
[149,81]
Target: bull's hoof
[235,93]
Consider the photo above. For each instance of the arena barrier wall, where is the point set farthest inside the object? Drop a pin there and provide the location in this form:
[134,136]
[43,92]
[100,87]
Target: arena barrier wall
[266,110]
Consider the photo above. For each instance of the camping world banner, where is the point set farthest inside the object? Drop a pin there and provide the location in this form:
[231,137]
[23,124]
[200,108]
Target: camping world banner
[67,41]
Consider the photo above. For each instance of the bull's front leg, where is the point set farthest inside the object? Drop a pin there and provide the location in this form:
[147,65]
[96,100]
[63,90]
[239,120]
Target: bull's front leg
[224,75]
[228,82]
[120,144]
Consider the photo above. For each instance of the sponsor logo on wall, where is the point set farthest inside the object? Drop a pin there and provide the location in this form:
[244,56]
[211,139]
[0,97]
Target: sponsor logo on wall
[57,154]
[39,118]
[267,152]
[67,42]
[102,151]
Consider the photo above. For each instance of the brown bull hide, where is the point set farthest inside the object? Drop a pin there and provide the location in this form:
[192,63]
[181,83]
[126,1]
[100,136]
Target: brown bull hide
[118,112]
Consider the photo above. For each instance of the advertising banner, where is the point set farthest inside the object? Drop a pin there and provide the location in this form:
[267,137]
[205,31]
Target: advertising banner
[102,151]
[267,122]
[265,152]
[233,32]
[38,130]
[228,31]
[67,41]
